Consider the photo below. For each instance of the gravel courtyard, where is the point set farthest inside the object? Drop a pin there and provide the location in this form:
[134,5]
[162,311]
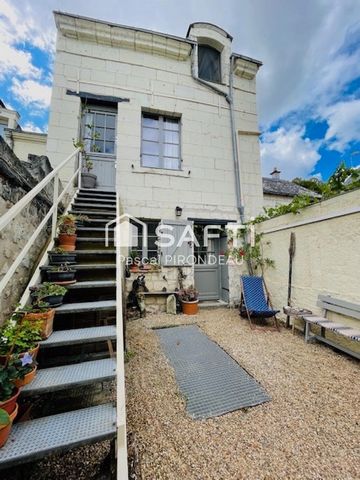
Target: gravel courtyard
[310,429]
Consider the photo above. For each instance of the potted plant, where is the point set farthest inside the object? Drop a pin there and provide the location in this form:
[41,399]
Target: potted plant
[59,256]
[67,236]
[5,426]
[134,260]
[9,392]
[19,335]
[25,367]
[48,292]
[88,180]
[81,219]
[42,313]
[68,219]
[61,274]
[189,298]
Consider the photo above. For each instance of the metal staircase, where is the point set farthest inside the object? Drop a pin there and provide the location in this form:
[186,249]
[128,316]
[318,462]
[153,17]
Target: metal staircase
[79,353]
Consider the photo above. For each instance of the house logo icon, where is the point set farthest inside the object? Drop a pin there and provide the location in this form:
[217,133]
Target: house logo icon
[127,232]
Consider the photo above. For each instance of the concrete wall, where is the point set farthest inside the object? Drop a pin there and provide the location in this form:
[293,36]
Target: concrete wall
[275,200]
[160,81]
[25,143]
[327,257]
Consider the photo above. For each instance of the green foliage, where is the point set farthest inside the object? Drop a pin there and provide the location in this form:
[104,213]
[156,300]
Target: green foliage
[7,377]
[19,335]
[48,289]
[64,267]
[67,228]
[68,218]
[128,355]
[189,294]
[5,419]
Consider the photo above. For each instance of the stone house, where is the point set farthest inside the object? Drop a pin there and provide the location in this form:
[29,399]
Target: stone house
[278,191]
[176,133]
[22,142]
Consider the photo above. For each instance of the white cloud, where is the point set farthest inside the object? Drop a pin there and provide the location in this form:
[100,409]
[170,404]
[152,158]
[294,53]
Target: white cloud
[31,127]
[31,93]
[343,119]
[294,155]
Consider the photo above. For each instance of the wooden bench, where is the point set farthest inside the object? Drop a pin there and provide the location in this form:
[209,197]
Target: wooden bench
[330,304]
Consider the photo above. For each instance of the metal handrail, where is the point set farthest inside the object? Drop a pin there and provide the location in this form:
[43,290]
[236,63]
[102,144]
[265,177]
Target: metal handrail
[53,212]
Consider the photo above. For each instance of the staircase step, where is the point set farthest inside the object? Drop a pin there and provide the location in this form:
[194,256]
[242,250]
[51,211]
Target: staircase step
[107,206]
[94,213]
[93,284]
[93,239]
[95,200]
[86,307]
[38,438]
[90,266]
[95,252]
[71,376]
[93,229]
[77,336]
[97,192]
[90,196]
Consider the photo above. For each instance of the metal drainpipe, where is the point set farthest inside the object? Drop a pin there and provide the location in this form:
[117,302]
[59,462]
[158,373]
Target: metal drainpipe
[229,99]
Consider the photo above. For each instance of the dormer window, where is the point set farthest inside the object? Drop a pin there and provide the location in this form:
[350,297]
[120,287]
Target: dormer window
[209,64]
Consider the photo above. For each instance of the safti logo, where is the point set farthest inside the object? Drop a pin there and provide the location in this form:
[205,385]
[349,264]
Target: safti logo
[127,230]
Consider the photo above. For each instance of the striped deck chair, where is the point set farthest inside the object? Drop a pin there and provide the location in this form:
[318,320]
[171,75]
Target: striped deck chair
[254,300]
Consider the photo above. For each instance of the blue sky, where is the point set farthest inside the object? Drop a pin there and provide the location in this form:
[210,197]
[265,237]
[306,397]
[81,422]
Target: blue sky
[308,88]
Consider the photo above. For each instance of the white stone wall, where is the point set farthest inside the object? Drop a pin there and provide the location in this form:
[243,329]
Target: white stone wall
[275,200]
[327,256]
[205,187]
[28,143]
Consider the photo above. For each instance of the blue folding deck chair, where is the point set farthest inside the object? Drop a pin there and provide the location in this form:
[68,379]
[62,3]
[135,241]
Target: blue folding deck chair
[255,300]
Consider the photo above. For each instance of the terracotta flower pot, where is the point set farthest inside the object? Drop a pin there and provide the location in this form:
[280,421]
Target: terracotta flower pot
[13,415]
[47,319]
[4,434]
[9,404]
[28,378]
[67,242]
[190,308]
[33,352]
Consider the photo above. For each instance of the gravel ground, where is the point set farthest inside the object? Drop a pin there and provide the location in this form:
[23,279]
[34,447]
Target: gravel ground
[310,429]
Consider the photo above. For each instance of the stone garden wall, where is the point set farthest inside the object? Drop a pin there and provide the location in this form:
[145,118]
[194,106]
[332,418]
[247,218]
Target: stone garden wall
[16,179]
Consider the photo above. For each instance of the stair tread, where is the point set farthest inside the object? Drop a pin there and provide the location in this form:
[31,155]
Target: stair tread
[86,306]
[93,284]
[109,206]
[80,335]
[95,252]
[81,266]
[91,229]
[91,212]
[95,199]
[71,376]
[96,191]
[37,438]
[92,239]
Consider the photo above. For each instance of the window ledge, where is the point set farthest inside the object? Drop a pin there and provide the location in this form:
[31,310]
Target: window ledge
[162,171]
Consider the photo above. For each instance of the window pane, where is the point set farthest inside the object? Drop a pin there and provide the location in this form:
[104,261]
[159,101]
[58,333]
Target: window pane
[110,121]
[150,134]
[99,134]
[151,148]
[209,63]
[150,161]
[171,124]
[98,146]
[99,120]
[171,137]
[150,122]
[109,147]
[171,150]
[171,163]
[110,134]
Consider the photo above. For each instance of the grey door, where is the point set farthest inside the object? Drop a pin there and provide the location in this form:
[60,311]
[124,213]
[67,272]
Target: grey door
[224,272]
[207,271]
[99,132]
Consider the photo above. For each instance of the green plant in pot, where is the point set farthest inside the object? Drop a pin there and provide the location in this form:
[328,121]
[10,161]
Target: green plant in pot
[67,236]
[26,367]
[19,335]
[81,219]
[61,274]
[189,298]
[58,256]
[5,426]
[68,219]
[88,179]
[48,292]
[40,311]
[134,260]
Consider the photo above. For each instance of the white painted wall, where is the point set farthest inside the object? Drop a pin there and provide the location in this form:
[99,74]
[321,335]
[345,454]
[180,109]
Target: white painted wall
[160,81]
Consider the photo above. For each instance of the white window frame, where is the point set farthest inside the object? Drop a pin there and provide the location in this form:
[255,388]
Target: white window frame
[161,142]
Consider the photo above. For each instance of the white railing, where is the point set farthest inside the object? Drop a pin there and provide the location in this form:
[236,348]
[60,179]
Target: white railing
[14,211]
[121,453]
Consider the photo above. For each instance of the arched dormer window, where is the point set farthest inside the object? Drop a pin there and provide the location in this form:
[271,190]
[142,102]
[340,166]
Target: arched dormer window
[209,64]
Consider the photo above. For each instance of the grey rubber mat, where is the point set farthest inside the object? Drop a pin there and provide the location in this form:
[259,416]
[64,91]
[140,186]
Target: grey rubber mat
[209,379]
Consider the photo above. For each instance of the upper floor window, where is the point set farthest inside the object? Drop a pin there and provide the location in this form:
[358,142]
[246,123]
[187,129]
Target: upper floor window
[99,131]
[209,63]
[160,141]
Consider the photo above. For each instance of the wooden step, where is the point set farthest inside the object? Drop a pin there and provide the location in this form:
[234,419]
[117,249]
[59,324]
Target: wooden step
[86,307]
[78,336]
[71,376]
[35,439]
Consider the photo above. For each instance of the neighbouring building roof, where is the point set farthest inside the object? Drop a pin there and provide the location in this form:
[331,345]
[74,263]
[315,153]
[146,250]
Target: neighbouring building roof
[285,188]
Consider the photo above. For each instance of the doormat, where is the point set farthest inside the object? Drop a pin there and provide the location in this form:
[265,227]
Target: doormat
[211,381]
